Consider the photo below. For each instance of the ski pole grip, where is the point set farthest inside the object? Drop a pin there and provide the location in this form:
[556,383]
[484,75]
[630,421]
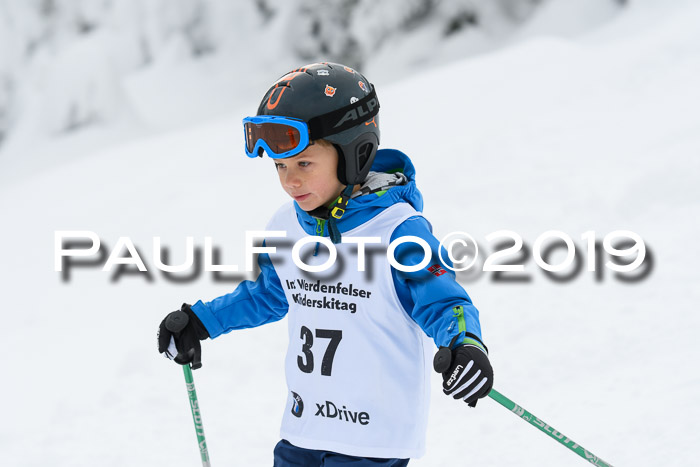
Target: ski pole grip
[176,321]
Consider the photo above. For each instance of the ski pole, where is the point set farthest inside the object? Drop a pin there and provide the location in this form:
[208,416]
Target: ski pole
[545,428]
[176,323]
[196,417]
[442,361]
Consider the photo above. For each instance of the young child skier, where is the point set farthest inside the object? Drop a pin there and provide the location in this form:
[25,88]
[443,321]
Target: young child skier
[358,359]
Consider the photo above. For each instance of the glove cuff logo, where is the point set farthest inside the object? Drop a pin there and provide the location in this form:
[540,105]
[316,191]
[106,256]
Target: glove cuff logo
[456,371]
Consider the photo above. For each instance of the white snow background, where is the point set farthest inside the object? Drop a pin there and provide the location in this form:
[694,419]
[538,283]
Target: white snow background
[599,131]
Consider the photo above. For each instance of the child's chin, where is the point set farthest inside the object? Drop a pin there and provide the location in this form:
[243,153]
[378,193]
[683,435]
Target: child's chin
[307,206]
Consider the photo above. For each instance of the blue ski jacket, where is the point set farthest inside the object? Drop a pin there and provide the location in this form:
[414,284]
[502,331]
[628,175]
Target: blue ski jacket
[433,299]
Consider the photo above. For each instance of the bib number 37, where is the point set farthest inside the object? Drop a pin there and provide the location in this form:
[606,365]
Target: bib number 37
[306,361]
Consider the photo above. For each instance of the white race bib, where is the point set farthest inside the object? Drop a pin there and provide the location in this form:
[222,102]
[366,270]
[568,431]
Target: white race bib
[357,365]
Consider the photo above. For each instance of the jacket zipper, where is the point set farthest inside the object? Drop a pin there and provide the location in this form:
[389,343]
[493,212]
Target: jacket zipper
[458,312]
[320,226]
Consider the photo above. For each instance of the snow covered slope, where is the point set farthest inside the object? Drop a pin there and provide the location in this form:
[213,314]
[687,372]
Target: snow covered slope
[594,133]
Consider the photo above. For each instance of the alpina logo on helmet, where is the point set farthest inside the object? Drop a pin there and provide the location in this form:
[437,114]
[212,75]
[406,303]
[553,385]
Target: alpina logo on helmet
[322,72]
[358,112]
[330,90]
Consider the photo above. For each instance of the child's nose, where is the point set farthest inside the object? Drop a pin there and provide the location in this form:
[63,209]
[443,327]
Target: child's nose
[292,179]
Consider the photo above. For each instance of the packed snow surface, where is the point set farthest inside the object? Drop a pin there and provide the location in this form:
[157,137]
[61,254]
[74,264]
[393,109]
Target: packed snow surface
[597,132]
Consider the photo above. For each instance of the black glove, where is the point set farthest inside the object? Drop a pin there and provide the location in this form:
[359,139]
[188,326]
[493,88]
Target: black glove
[179,335]
[466,372]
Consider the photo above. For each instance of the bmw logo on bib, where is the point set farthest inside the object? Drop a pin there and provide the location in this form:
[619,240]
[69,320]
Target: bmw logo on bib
[297,405]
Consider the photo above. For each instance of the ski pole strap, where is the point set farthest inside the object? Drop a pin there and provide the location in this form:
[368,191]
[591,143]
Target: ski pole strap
[196,416]
[544,427]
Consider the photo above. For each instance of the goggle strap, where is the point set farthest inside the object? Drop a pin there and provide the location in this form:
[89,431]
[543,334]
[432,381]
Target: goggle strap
[344,118]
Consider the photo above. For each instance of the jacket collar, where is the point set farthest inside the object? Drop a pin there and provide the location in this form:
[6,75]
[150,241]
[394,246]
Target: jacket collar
[363,208]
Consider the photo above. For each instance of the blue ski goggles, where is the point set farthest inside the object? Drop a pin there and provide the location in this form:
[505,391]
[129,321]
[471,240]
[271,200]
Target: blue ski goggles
[282,137]
[279,137]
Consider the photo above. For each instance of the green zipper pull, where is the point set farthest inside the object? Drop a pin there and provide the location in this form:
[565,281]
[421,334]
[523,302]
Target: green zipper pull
[320,225]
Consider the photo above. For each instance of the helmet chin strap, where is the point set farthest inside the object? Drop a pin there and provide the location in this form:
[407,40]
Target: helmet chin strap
[334,212]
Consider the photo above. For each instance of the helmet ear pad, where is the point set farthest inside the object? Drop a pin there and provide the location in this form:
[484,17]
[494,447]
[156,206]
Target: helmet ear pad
[355,158]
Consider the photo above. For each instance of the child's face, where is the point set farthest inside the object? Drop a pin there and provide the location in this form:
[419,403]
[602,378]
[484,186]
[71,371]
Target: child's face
[311,177]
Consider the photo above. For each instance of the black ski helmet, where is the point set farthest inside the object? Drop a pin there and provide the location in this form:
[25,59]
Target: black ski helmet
[339,105]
